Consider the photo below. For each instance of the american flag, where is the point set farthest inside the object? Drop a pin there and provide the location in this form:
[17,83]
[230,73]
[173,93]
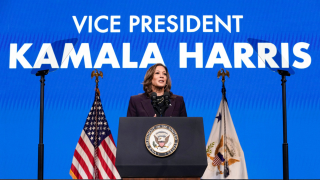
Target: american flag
[95,153]
[218,159]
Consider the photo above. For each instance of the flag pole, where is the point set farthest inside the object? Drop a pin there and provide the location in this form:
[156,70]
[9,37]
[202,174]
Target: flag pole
[223,90]
[97,93]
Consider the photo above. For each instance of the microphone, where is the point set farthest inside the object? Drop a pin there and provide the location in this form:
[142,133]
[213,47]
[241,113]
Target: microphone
[153,97]
[167,98]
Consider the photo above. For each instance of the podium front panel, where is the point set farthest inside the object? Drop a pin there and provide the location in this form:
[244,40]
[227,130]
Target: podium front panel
[134,160]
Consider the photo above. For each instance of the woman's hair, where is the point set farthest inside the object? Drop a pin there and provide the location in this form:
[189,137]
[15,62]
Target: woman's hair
[147,82]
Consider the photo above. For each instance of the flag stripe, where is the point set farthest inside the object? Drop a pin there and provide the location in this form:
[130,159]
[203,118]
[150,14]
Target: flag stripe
[102,172]
[85,138]
[111,164]
[82,164]
[108,151]
[111,145]
[86,150]
[79,168]
[105,162]
[111,138]
[85,158]
[75,172]
[100,175]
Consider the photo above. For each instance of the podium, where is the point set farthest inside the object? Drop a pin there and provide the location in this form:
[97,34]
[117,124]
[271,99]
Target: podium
[134,161]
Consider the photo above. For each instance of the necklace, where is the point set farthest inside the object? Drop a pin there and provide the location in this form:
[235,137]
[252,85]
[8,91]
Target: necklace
[160,100]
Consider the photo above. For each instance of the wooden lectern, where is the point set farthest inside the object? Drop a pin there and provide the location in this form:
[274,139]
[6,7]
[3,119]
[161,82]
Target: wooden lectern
[135,162]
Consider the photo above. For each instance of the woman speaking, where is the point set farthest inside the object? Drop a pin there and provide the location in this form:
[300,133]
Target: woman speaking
[157,99]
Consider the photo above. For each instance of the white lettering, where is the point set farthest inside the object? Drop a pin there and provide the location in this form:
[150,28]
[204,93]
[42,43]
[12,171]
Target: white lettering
[126,57]
[107,48]
[152,48]
[205,23]
[134,23]
[188,23]
[145,24]
[96,24]
[219,21]
[18,56]
[300,54]
[197,55]
[157,23]
[172,23]
[113,23]
[83,52]
[79,27]
[46,49]
[267,56]
[218,48]
[237,17]
[239,57]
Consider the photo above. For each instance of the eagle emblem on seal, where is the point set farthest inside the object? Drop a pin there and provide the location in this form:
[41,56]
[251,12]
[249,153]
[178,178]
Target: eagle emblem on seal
[161,138]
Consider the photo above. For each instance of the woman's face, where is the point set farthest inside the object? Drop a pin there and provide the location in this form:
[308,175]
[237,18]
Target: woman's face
[159,77]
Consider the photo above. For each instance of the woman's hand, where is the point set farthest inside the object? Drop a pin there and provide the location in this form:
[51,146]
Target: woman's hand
[155,115]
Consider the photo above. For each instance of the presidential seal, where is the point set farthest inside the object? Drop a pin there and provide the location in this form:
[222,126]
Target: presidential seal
[161,140]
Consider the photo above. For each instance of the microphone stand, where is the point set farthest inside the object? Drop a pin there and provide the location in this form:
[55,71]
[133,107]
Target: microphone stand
[285,154]
[59,49]
[289,71]
[41,145]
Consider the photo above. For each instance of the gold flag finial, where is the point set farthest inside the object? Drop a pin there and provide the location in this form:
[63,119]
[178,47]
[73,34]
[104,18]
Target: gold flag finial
[97,74]
[223,74]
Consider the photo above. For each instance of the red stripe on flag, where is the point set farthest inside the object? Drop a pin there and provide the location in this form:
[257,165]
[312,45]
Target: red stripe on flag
[100,175]
[105,166]
[75,172]
[86,150]
[108,151]
[82,164]
[110,136]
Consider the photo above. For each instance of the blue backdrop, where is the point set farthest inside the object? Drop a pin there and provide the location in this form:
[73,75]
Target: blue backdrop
[254,95]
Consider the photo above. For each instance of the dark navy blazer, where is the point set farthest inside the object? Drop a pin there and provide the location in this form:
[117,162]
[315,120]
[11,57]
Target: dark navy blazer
[140,106]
